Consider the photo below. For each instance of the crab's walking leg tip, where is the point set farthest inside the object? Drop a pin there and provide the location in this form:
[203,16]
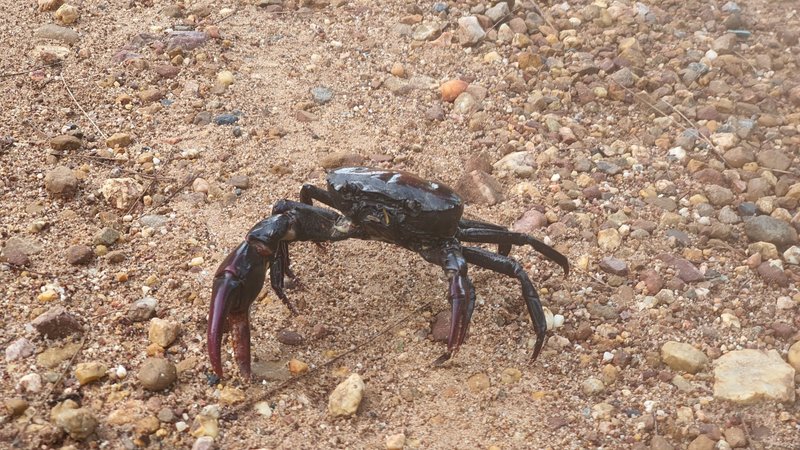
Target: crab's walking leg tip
[442,359]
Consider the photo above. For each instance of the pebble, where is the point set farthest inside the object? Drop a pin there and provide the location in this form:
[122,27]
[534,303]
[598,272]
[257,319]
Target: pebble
[480,187]
[768,229]
[205,425]
[773,274]
[297,367]
[17,251]
[263,409]
[736,437]
[614,266]
[56,323]
[239,181]
[163,332]
[142,309]
[157,374]
[185,40]
[230,395]
[609,239]
[150,95]
[340,159]
[592,386]
[107,236]
[478,382]
[78,422]
[344,400]
[200,185]
[54,356]
[750,376]
[90,371]
[121,192]
[395,441]
[499,12]
[683,357]
[426,31]
[794,356]
[204,443]
[660,443]
[30,383]
[166,415]
[530,221]
[469,31]
[289,337]
[701,442]
[119,140]
[520,164]
[79,254]
[57,33]
[16,406]
[450,90]
[226,119]
[321,94]
[19,349]
[65,142]
[510,375]
[225,78]
[61,181]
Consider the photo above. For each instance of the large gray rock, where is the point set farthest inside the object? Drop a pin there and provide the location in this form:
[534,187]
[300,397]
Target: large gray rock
[750,376]
[769,229]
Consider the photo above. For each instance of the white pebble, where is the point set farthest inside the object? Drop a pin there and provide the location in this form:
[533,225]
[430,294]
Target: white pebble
[607,356]
[558,321]
[121,372]
[181,426]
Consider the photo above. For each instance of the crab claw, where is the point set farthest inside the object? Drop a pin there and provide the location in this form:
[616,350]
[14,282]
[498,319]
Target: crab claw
[237,283]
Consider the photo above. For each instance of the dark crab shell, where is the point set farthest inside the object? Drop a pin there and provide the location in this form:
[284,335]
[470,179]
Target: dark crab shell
[397,201]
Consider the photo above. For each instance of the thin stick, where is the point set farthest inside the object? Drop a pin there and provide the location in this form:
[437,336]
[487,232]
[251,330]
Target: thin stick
[14,74]
[326,364]
[189,181]
[69,91]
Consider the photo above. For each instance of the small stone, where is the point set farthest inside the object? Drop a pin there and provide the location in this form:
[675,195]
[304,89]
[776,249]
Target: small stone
[90,371]
[469,31]
[54,356]
[61,181]
[736,437]
[56,323]
[157,374]
[344,400]
[340,159]
[478,382]
[65,142]
[79,423]
[450,90]
[395,441]
[163,332]
[121,192]
[750,376]
[774,159]
[31,383]
[614,266]
[225,78]
[289,337]
[226,119]
[479,187]
[772,274]
[426,31]
[167,71]
[230,395]
[499,12]
[297,367]
[185,40]
[107,236]
[683,357]
[16,406]
[57,33]
[521,164]
[239,181]
[768,229]
[263,409]
[609,239]
[205,425]
[147,425]
[203,443]
[530,221]
[79,254]
[119,140]
[200,185]
[150,95]
[702,442]
[510,375]
[166,415]
[19,349]
[660,443]
[592,386]
[794,356]
[465,104]
[49,5]
[321,94]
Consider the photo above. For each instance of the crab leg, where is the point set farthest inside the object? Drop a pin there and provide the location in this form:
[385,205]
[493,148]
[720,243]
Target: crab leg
[510,267]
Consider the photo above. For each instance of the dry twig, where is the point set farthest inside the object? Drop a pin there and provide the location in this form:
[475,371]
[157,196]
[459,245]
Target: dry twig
[69,91]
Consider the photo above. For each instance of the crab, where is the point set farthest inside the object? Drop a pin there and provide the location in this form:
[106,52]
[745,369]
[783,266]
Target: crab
[370,204]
